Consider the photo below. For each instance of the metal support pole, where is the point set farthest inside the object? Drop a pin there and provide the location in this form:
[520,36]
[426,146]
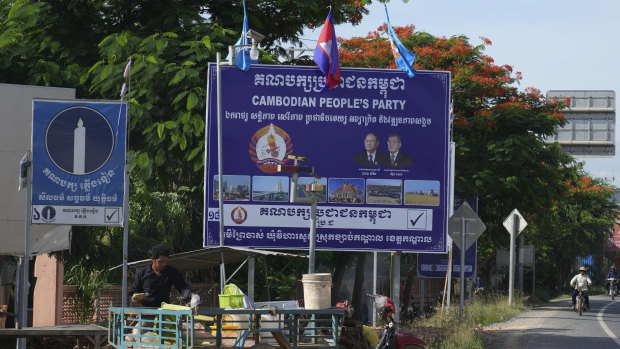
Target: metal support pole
[251,273]
[421,297]
[311,266]
[125,234]
[126,202]
[313,207]
[21,342]
[311,259]
[374,287]
[396,284]
[25,280]
[18,291]
[462,271]
[520,264]
[511,277]
[448,290]
[220,164]
[448,293]
[533,271]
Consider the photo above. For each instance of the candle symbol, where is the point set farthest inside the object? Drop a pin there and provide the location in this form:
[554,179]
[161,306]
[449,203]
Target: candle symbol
[79,148]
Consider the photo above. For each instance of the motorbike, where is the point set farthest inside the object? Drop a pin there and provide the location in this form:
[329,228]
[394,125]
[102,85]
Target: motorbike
[390,338]
[580,306]
[613,287]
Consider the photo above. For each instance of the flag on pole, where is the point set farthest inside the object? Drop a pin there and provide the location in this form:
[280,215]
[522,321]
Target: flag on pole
[326,54]
[127,69]
[242,55]
[403,57]
[124,91]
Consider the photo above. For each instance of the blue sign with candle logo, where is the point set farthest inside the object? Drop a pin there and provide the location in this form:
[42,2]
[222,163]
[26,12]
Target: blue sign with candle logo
[78,159]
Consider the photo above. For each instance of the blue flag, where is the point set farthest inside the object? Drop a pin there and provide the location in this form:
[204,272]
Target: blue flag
[242,55]
[403,57]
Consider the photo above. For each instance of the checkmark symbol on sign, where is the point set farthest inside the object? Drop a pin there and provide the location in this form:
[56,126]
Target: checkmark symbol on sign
[413,222]
[110,216]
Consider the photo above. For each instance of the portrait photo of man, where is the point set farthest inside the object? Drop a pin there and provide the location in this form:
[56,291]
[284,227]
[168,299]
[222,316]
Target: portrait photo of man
[371,157]
[396,158]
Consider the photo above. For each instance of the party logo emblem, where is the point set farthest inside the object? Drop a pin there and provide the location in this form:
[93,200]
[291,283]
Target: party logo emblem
[269,148]
[239,214]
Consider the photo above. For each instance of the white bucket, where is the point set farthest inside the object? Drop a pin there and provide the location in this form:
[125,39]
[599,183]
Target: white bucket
[317,290]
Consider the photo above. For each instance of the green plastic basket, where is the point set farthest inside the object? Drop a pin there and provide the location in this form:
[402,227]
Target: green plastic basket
[231,297]
[231,300]
[231,289]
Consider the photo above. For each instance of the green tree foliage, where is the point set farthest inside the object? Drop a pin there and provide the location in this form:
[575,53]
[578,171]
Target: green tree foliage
[53,42]
[284,20]
[576,226]
[47,43]
[167,91]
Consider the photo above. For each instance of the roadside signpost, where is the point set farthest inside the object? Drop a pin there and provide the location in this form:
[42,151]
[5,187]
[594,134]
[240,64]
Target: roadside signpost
[464,227]
[78,160]
[514,223]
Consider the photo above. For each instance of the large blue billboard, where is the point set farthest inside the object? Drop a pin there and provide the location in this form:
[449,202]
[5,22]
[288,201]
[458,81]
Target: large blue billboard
[78,159]
[379,141]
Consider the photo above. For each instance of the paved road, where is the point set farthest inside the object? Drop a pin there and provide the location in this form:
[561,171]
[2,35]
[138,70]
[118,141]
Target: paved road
[556,325]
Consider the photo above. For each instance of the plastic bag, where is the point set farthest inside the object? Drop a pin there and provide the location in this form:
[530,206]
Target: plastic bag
[371,336]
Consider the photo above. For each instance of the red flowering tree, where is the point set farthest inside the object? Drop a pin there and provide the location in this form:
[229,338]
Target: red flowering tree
[498,129]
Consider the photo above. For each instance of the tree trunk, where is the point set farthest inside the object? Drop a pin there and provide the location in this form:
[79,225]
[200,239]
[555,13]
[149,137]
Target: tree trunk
[411,273]
[356,298]
[340,260]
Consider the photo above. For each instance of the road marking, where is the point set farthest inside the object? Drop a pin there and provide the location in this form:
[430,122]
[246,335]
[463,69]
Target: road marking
[604,325]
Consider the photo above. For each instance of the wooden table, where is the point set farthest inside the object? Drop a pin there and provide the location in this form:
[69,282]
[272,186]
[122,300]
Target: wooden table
[95,334]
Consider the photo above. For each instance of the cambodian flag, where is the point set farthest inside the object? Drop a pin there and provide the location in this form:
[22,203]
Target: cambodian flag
[403,57]
[326,54]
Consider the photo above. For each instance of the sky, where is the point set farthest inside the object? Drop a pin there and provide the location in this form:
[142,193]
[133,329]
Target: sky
[555,44]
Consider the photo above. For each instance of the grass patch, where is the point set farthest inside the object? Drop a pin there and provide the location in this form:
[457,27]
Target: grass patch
[595,290]
[483,311]
[417,199]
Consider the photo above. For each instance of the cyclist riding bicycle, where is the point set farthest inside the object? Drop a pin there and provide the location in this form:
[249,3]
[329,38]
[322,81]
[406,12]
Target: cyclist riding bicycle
[611,275]
[581,280]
